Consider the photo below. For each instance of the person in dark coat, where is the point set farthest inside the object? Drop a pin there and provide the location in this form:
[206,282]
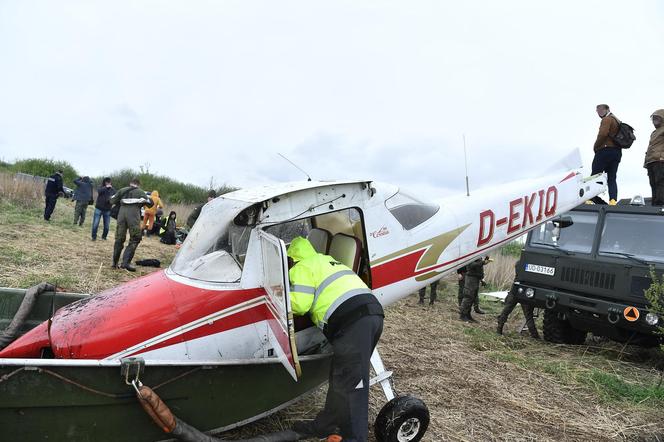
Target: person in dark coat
[131,200]
[193,216]
[103,208]
[52,190]
[168,229]
[83,198]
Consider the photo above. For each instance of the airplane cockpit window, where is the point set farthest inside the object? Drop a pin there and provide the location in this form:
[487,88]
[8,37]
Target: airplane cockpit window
[216,246]
[409,211]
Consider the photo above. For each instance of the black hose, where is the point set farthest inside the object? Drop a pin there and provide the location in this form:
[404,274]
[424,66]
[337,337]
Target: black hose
[11,332]
[187,433]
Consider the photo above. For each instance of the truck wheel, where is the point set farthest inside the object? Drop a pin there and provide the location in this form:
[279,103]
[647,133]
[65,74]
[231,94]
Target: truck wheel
[403,419]
[559,331]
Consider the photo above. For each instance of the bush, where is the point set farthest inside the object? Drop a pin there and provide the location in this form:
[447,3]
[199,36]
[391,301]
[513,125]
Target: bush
[45,167]
[169,189]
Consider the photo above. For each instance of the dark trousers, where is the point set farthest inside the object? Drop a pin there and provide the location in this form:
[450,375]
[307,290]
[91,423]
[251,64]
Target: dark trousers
[432,296]
[607,160]
[656,176]
[347,401]
[106,214]
[510,303]
[125,223]
[471,289]
[50,206]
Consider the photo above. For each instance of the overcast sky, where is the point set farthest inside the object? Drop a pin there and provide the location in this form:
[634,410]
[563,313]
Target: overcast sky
[346,89]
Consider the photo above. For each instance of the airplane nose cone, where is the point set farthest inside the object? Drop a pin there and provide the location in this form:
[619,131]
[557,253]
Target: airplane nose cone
[30,345]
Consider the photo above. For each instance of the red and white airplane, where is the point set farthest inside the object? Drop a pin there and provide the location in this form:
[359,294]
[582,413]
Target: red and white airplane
[225,297]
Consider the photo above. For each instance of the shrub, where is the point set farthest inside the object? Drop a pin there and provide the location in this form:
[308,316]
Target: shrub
[46,167]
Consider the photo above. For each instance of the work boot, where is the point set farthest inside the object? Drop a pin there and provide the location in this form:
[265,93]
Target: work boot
[499,327]
[612,202]
[420,302]
[533,332]
[478,310]
[128,267]
[466,318]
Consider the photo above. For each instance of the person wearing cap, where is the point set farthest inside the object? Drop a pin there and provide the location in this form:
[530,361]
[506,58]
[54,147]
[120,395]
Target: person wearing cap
[52,190]
[351,318]
[193,216]
[654,161]
[607,154]
[474,277]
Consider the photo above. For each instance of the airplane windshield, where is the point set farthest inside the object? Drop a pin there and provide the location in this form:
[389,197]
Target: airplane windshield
[215,247]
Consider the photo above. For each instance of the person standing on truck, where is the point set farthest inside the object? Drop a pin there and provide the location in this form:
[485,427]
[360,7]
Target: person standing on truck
[474,277]
[351,318]
[607,154]
[655,158]
[52,191]
[131,199]
[510,303]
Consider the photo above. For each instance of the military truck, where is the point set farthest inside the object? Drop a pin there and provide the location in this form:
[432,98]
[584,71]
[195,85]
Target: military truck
[588,269]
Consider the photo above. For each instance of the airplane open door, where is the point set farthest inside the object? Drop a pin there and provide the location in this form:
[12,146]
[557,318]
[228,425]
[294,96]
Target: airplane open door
[281,330]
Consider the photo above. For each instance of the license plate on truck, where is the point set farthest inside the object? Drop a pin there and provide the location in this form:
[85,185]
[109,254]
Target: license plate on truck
[542,270]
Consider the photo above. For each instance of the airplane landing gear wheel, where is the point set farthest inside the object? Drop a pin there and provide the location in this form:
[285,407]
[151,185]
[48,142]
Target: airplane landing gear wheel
[403,419]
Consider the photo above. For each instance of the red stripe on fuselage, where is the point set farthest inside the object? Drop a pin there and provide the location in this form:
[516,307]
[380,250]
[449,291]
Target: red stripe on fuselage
[135,312]
[405,267]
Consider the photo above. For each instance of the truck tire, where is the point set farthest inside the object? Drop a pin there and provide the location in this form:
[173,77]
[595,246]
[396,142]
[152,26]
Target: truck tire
[559,331]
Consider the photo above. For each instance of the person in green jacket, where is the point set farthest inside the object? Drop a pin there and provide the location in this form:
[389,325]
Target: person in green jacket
[131,200]
[350,316]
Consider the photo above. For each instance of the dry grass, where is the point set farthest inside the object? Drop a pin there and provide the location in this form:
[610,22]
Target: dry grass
[500,273]
[478,386]
[20,192]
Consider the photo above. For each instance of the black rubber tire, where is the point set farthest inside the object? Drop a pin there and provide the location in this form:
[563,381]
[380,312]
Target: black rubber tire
[404,415]
[559,331]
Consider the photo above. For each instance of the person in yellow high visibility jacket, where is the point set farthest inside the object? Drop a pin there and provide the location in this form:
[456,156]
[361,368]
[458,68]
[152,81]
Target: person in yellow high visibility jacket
[351,318]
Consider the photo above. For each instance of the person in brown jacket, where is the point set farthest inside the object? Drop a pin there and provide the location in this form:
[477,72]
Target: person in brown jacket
[607,154]
[655,158]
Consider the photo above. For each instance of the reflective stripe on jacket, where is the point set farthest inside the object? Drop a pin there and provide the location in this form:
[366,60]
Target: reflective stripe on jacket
[319,283]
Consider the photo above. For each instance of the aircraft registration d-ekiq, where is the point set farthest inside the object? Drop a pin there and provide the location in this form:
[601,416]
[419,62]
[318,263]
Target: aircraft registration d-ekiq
[214,333]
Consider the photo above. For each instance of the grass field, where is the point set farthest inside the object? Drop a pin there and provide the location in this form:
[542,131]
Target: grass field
[478,385]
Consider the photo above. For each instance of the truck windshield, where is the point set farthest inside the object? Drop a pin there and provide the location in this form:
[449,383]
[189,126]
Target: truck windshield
[621,235]
[577,237]
[215,247]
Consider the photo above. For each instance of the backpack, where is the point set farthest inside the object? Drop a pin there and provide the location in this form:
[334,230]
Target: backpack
[625,135]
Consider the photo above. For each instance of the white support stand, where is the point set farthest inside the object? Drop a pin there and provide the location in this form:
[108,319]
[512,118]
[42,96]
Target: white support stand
[383,376]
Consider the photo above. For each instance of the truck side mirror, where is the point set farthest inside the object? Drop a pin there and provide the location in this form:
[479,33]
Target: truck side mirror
[562,222]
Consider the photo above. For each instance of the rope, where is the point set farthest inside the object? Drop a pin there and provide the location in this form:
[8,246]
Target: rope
[4,377]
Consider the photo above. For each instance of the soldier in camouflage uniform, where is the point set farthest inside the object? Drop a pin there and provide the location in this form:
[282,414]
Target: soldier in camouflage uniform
[432,296]
[473,278]
[510,303]
[131,200]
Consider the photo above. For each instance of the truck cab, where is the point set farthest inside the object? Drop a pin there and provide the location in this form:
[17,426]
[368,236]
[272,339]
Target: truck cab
[588,271]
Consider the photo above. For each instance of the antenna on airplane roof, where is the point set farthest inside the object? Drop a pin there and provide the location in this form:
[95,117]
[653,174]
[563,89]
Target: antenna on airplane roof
[296,166]
[465,160]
